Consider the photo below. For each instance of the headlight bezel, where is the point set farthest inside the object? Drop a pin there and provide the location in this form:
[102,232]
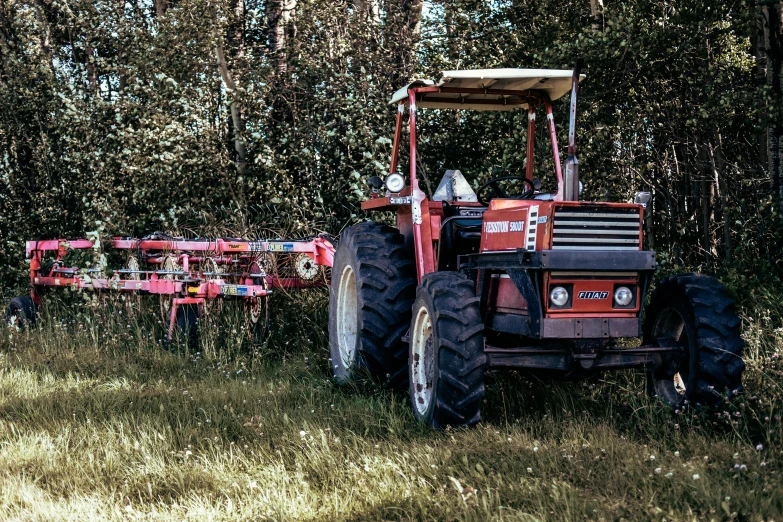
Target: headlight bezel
[393,181]
[631,304]
[568,303]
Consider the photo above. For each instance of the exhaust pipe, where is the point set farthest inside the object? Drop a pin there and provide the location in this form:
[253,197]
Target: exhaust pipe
[572,164]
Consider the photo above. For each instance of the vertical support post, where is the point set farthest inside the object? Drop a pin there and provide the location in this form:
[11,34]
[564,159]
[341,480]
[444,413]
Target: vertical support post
[571,192]
[555,150]
[422,235]
[172,319]
[531,141]
[397,136]
[35,267]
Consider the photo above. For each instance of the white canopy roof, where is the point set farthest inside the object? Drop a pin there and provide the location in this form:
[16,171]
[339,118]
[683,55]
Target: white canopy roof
[555,82]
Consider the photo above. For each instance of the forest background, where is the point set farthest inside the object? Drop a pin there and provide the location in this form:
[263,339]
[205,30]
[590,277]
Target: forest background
[129,116]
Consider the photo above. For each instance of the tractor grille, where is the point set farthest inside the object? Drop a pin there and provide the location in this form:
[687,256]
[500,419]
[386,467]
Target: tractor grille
[596,228]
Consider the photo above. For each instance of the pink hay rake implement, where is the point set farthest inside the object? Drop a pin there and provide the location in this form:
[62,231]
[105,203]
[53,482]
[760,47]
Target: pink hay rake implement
[186,274]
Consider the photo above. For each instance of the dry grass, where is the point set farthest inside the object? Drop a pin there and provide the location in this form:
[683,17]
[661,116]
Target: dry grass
[97,423]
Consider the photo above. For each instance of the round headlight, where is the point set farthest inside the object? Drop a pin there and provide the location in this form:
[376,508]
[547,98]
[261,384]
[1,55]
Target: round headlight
[623,296]
[395,182]
[558,296]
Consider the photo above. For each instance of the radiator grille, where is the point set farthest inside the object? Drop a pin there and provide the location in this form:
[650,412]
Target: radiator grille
[586,228]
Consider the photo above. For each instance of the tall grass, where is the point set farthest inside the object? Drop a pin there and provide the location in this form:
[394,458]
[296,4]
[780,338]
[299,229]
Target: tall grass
[98,423]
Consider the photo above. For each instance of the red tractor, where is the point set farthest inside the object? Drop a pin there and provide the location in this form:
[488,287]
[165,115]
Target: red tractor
[515,278]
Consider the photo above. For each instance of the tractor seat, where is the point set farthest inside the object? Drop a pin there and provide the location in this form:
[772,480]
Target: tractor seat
[459,235]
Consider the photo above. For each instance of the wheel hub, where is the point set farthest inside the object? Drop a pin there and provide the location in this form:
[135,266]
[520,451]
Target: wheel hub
[671,324]
[347,316]
[423,363]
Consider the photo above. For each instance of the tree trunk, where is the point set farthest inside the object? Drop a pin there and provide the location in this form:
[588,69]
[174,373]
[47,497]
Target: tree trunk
[122,57]
[596,14]
[160,7]
[413,10]
[237,123]
[707,192]
[718,165]
[759,51]
[92,72]
[279,15]
[770,52]
[368,10]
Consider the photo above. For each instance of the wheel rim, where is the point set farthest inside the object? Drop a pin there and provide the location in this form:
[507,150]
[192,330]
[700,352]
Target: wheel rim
[257,307]
[670,323]
[347,316]
[266,263]
[166,300]
[305,267]
[422,361]
[210,266]
[133,264]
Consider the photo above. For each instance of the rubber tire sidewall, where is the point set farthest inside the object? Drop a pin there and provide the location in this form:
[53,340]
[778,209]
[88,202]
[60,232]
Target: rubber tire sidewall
[344,373]
[463,363]
[23,307]
[715,345]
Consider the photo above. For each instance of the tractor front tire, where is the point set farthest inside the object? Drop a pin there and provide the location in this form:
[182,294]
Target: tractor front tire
[446,360]
[21,312]
[370,297]
[695,312]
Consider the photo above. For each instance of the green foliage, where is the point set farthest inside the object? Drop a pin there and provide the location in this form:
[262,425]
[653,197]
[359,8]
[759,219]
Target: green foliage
[115,117]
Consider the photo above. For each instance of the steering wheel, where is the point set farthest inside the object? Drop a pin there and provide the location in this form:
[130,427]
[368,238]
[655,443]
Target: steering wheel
[497,192]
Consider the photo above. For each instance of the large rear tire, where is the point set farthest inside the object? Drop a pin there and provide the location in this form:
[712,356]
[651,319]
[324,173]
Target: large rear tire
[370,297]
[446,360]
[21,312]
[696,312]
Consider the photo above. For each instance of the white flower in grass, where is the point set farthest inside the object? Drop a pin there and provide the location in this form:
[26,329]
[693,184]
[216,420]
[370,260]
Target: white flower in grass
[696,476]
[302,433]
[657,470]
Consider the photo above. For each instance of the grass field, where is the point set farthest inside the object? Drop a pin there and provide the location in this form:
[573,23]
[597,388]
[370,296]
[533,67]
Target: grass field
[97,423]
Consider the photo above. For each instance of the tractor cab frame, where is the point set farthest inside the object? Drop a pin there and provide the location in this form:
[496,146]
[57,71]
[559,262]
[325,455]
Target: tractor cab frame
[483,90]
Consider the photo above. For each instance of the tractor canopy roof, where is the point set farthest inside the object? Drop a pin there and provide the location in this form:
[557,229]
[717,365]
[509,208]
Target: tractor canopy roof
[488,89]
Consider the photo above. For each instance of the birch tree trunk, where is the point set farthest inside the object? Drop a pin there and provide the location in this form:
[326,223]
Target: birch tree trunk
[596,13]
[369,10]
[413,11]
[237,122]
[160,7]
[279,14]
[92,71]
